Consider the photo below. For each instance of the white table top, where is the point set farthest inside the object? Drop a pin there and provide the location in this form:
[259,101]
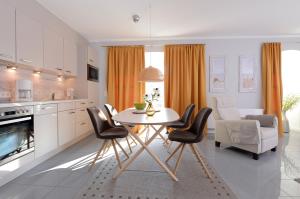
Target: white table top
[164,116]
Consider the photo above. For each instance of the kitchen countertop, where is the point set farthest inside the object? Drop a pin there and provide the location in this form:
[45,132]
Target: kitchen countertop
[32,103]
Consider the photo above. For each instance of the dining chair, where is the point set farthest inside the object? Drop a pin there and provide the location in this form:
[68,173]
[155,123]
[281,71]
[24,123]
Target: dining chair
[104,131]
[190,137]
[111,111]
[183,122]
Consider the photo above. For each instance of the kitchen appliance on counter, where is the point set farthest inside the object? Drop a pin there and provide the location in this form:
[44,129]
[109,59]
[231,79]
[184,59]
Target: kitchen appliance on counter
[24,90]
[16,132]
[70,93]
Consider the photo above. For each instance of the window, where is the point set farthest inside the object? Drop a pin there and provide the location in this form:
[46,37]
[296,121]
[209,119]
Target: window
[157,61]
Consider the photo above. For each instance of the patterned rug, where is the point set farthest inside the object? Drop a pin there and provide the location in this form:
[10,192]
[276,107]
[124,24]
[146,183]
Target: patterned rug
[145,180]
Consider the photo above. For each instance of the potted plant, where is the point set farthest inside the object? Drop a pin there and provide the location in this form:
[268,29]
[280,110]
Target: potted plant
[149,99]
[289,102]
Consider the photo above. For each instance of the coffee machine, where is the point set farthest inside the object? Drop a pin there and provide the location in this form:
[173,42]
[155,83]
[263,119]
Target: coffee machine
[24,90]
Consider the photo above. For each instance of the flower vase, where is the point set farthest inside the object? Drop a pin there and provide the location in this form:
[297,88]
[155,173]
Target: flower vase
[150,110]
[286,125]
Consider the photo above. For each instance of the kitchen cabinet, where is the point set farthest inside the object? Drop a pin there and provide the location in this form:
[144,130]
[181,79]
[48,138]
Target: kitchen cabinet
[93,92]
[7,33]
[70,57]
[92,57]
[45,129]
[66,126]
[29,34]
[53,50]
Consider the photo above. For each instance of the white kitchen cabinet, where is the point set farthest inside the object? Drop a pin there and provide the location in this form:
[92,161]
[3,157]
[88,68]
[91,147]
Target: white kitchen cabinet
[7,33]
[53,50]
[70,57]
[45,129]
[93,92]
[66,126]
[29,41]
[92,57]
[82,122]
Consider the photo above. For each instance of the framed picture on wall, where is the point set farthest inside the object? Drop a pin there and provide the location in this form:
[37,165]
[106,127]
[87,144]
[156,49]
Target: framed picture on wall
[247,77]
[217,74]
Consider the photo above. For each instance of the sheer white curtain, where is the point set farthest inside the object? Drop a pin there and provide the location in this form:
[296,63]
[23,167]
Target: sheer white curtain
[156,59]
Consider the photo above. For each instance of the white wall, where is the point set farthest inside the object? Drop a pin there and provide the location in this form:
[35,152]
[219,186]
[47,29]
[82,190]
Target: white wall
[231,48]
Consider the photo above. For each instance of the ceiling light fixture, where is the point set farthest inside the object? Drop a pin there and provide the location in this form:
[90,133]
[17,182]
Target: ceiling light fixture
[136,18]
[36,72]
[11,67]
[150,74]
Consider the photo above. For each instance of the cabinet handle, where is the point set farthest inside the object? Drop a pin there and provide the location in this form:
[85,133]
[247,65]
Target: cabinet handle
[67,71]
[91,102]
[26,60]
[82,110]
[83,123]
[58,69]
[83,103]
[91,60]
[72,112]
[5,55]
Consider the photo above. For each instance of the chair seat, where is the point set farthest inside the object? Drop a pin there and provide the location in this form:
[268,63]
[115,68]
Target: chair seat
[177,125]
[183,136]
[113,133]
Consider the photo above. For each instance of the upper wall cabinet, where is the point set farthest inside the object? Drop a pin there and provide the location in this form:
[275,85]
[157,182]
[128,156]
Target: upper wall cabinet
[70,57]
[29,41]
[7,33]
[92,57]
[53,50]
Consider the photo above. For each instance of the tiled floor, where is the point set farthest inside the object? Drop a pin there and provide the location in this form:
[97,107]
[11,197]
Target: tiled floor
[272,176]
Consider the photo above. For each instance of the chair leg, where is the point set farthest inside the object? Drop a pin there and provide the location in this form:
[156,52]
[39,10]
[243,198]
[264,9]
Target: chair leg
[128,145]
[121,148]
[133,139]
[116,153]
[98,153]
[274,149]
[169,147]
[199,157]
[178,147]
[179,159]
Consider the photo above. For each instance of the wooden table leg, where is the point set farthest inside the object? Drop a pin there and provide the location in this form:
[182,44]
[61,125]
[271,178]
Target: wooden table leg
[145,147]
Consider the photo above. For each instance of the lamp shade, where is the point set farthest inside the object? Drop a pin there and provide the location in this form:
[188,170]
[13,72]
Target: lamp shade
[151,74]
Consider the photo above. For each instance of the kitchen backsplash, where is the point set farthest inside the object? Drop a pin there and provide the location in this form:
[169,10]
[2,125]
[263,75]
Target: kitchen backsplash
[43,84]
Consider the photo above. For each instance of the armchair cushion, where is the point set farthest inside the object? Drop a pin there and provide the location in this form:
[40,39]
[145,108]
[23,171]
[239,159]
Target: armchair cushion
[264,120]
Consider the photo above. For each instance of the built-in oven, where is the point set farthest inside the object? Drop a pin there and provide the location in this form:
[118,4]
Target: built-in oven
[92,73]
[16,132]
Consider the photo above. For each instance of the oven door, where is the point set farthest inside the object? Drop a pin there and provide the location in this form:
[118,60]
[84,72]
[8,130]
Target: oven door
[16,138]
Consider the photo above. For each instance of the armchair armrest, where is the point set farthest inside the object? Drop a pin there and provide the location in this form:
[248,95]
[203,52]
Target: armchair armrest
[264,120]
[239,131]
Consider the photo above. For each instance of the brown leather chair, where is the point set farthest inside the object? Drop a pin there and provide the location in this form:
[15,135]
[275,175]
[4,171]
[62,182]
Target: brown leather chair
[111,111]
[103,130]
[183,122]
[190,137]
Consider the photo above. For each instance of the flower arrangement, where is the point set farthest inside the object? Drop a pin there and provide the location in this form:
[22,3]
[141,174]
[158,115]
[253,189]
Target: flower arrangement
[289,102]
[152,97]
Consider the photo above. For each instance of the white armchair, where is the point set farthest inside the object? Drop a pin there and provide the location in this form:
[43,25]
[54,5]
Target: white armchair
[254,133]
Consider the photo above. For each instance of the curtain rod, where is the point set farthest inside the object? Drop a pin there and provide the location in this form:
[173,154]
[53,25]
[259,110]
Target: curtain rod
[155,45]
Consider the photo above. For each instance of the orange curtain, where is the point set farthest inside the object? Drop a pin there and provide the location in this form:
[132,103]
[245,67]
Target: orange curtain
[271,81]
[185,77]
[124,65]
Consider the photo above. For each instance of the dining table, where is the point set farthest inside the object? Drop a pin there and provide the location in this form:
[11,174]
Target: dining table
[130,117]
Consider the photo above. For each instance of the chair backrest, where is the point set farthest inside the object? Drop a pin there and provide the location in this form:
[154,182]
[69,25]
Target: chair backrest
[98,119]
[199,123]
[187,114]
[111,111]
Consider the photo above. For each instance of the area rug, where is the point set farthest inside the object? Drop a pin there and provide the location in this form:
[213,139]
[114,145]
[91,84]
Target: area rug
[145,180]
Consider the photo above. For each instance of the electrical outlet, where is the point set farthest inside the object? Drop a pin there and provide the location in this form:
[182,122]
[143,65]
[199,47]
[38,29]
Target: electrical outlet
[5,94]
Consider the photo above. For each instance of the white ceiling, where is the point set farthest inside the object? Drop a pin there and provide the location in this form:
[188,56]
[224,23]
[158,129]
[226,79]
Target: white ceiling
[110,20]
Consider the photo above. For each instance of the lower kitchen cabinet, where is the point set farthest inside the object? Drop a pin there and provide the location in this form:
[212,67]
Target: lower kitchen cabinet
[45,129]
[66,126]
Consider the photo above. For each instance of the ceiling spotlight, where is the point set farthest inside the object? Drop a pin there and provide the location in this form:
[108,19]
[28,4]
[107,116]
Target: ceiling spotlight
[11,67]
[136,18]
